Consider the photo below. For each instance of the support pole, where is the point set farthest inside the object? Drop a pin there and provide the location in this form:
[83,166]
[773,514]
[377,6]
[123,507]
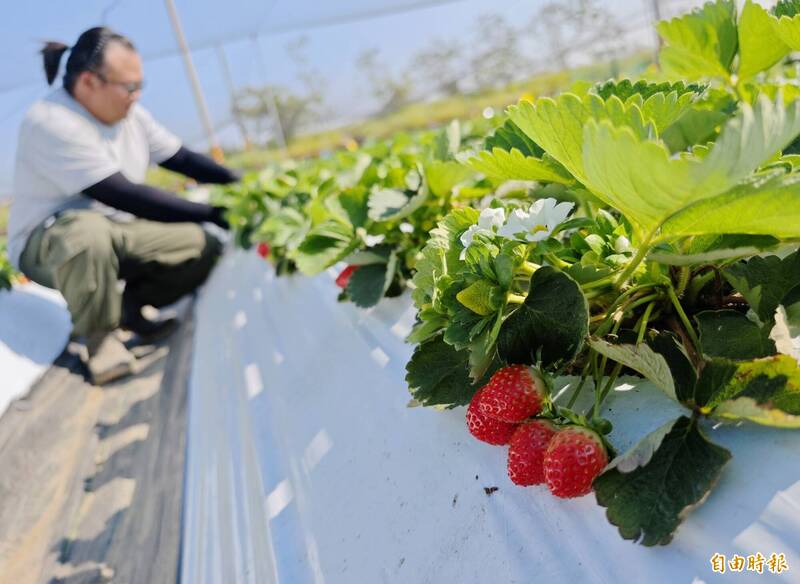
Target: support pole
[226,72]
[205,118]
[272,106]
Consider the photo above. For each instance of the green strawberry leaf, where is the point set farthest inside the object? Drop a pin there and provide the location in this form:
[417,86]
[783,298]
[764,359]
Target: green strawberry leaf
[660,188]
[648,491]
[698,125]
[763,391]
[551,324]
[438,375]
[625,89]
[325,245]
[712,248]
[661,103]
[760,47]
[777,198]
[729,334]
[557,124]
[788,25]
[370,282]
[504,165]
[700,44]
[642,359]
[440,256]
[442,177]
[508,137]
[394,204]
[765,281]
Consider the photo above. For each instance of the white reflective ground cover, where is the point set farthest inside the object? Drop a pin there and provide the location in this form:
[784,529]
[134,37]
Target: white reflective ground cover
[34,329]
[305,464]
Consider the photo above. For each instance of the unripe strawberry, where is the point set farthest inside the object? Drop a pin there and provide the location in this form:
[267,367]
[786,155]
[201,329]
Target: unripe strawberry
[513,393]
[487,429]
[263,249]
[344,277]
[526,452]
[574,458]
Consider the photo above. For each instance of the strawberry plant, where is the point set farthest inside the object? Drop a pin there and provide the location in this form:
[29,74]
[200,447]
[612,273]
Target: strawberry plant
[643,227]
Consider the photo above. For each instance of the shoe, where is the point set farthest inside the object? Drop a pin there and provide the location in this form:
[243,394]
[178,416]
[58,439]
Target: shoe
[108,359]
[148,331]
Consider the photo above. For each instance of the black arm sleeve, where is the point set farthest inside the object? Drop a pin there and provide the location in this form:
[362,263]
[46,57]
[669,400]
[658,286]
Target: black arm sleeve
[152,203]
[199,167]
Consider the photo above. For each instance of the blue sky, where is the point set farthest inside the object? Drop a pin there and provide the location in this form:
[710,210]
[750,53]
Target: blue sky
[332,50]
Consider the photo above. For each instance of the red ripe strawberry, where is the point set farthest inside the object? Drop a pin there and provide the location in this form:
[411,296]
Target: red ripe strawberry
[573,460]
[513,393]
[263,249]
[344,277]
[526,452]
[487,429]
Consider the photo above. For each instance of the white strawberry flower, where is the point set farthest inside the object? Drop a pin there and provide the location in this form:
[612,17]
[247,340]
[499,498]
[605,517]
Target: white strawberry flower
[622,244]
[537,223]
[488,223]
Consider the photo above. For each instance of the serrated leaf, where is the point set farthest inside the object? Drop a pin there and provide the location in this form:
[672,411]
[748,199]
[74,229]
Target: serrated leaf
[625,89]
[700,44]
[437,374]
[760,47]
[557,125]
[764,391]
[648,503]
[660,187]
[442,177]
[641,453]
[789,31]
[695,126]
[509,136]
[325,245]
[709,249]
[776,200]
[642,359]
[480,297]
[731,335]
[393,204]
[366,286]
[369,283]
[765,281]
[553,322]
[353,202]
[680,365]
[503,165]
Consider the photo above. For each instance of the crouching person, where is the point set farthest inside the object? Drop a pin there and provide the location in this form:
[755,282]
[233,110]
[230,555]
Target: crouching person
[81,220]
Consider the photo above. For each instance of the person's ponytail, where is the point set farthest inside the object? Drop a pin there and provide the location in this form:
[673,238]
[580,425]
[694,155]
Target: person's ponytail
[85,55]
[52,53]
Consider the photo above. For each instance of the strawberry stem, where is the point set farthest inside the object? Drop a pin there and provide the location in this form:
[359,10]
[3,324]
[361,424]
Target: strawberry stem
[516,298]
[684,319]
[642,326]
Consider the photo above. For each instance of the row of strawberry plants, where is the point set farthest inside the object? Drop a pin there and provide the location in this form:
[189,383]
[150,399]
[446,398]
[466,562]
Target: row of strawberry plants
[7,273]
[646,227]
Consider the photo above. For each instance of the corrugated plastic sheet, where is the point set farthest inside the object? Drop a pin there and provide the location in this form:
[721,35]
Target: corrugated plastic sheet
[305,464]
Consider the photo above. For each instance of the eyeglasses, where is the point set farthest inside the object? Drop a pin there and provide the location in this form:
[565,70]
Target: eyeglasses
[131,87]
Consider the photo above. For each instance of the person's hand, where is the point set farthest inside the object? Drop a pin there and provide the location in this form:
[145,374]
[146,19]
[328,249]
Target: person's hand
[218,217]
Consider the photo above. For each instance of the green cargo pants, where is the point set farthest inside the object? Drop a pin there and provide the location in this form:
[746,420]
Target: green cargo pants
[84,254]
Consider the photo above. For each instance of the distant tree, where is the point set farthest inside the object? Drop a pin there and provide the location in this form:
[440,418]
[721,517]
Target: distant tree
[258,106]
[573,27]
[440,67]
[498,59]
[296,109]
[392,91]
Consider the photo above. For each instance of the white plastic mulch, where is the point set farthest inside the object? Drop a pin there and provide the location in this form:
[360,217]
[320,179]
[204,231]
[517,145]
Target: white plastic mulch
[34,329]
[305,464]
